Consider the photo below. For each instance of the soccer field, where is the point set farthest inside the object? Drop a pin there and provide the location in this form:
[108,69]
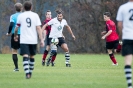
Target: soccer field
[87,71]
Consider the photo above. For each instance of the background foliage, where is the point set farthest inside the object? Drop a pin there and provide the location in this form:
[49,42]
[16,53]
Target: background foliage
[84,17]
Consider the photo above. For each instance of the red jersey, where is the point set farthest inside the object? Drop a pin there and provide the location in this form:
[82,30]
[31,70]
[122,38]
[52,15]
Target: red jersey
[110,25]
[48,28]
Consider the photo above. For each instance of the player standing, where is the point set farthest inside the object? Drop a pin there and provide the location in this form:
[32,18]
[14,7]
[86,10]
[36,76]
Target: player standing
[125,25]
[15,45]
[57,25]
[29,23]
[111,36]
[47,32]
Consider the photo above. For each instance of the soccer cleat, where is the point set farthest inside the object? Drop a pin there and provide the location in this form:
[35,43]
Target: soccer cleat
[15,70]
[43,63]
[48,61]
[115,64]
[68,65]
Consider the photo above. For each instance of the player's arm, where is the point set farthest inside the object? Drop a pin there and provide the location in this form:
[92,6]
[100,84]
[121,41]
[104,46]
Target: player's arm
[16,32]
[39,30]
[120,27]
[44,31]
[70,31]
[109,32]
[10,28]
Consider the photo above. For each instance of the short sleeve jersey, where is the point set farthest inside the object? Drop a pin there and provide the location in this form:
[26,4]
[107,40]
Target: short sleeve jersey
[48,28]
[28,22]
[110,25]
[56,27]
[13,19]
[125,14]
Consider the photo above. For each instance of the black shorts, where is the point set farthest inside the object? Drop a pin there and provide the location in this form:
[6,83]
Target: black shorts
[29,49]
[127,47]
[61,41]
[15,44]
[112,44]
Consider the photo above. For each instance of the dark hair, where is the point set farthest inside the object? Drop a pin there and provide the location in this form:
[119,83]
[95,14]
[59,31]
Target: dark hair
[27,5]
[47,11]
[59,11]
[18,7]
[107,14]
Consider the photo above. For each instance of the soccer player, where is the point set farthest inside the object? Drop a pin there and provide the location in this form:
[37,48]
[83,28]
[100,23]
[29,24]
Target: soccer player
[15,45]
[57,25]
[125,25]
[111,36]
[47,32]
[29,23]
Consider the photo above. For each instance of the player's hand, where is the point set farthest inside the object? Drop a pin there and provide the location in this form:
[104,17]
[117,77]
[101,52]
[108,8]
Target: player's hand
[73,37]
[42,43]
[16,38]
[103,37]
[63,36]
[8,34]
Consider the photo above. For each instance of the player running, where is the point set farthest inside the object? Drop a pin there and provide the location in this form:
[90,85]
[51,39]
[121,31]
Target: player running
[57,25]
[111,36]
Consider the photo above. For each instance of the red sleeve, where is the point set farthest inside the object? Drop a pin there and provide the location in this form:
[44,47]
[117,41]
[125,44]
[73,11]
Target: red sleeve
[109,25]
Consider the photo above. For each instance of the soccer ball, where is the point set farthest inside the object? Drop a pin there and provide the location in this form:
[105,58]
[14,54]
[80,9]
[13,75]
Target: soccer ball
[55,41]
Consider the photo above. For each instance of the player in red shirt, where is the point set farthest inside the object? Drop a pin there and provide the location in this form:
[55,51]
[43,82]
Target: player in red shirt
[111,36]
[47,32]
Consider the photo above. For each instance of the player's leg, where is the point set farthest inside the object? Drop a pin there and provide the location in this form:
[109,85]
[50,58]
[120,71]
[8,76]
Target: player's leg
[45,54]
[64,46]
[109,46]
[112,57]
[127,52]
[47,42]
[53,53]
[119,47]
[67,55]
[128,70]
[15,46]
[53,58]
[15,59]
[24,51]
[32,59]
[31,64]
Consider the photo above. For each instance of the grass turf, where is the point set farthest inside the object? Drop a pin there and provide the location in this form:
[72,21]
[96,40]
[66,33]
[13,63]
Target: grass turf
[87,71]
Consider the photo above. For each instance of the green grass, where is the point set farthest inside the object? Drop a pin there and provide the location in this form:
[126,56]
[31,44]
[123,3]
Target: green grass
[87,71]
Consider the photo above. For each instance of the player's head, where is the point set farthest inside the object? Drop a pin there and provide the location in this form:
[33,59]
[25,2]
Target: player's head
[106,16]
[18,7]
[59,14]
[48,14]
[27,5]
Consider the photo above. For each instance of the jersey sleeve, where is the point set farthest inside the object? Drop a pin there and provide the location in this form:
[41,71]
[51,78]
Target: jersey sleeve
[38,21]
[11,19]
[110,25]
[51,22]
[18,21]
[119,14]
